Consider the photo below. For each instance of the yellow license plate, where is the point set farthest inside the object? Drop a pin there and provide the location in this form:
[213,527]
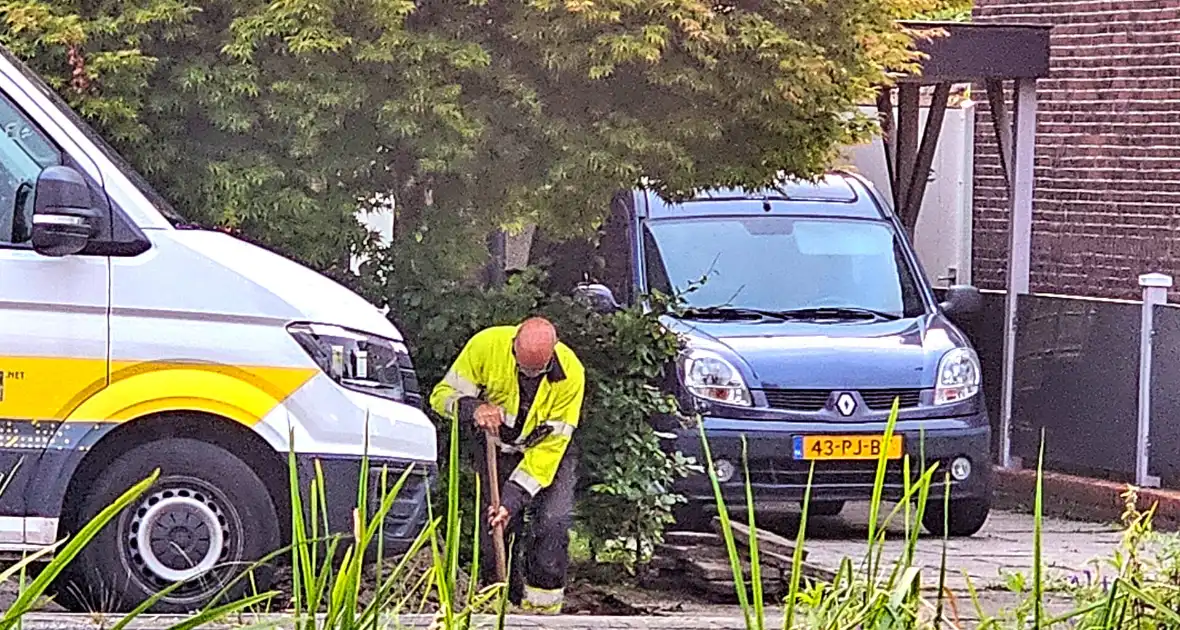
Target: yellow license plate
[839,447]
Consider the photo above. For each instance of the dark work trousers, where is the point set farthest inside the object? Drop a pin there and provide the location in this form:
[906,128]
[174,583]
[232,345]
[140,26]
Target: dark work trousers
[538,540]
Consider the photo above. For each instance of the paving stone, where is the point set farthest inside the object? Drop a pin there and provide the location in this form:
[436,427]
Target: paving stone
[1005,544]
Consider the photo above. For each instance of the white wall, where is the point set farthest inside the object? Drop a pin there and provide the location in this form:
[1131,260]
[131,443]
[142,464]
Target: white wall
[943,234]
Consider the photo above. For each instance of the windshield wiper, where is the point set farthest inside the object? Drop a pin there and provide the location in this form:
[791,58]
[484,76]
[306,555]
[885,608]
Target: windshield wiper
[838,311]
[731,312]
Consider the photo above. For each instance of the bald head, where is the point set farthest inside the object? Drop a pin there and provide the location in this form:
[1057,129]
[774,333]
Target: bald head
[535,342]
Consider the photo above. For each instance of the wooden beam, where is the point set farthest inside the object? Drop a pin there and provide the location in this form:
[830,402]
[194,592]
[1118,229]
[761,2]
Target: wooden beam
[888,134]
[908,107]
[1002,123]
[925,158]
[766,540]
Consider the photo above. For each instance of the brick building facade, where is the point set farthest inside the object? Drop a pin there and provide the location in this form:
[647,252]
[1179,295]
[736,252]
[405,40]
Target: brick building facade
[1107,198]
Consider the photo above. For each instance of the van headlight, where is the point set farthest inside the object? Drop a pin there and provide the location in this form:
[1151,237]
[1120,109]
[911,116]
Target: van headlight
[959,375]
[709,376]
[356,360]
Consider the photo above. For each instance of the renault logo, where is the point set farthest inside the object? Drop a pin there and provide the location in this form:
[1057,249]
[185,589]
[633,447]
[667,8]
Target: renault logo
[846,404]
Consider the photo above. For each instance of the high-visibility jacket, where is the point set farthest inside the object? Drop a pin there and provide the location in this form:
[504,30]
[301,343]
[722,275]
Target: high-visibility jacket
[486,369]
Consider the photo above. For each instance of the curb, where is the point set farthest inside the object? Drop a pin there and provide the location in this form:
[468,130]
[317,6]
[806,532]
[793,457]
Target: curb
[43,621]
[1082,498]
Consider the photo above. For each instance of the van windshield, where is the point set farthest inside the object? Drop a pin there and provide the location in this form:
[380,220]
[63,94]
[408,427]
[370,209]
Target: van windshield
[783,264]
[159,201]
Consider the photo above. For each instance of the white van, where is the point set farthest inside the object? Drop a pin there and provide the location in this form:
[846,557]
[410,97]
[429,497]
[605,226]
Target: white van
[128,343]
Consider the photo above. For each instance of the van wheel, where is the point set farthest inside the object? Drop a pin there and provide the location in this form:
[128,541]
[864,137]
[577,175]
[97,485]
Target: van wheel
[207,518]
[967,517]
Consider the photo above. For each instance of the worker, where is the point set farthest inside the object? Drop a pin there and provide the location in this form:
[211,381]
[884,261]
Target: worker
[524,383]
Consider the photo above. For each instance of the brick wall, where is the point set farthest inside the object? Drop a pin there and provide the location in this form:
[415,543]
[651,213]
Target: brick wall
[1107,198]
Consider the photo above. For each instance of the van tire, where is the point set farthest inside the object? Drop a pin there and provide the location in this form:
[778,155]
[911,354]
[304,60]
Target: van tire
[967,517]
[199,485]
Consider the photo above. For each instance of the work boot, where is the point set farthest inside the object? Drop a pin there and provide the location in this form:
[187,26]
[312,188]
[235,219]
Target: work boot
[540,601]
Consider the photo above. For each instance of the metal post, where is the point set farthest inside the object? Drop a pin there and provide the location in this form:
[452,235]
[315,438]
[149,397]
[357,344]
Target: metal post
[1155,291]
[1020,201]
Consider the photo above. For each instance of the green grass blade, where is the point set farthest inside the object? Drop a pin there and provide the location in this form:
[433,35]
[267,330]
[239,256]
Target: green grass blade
[735,562]
[213,615]
[298,531]
[797,556]
[72,548]
[878,489]
[394,579]
[378,601]
[755,563]
[143,607]
[451,574]
[946,497]
[1085,610]
[387,501]
[908,552]
[362,491]
[1172,616]
[475,540]
[1111,600]
[502,607]
[27,562]
[247,573]
[1038,555]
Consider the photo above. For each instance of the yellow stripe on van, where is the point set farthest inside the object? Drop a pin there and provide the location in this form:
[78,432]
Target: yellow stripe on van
[48,389]
[136,389]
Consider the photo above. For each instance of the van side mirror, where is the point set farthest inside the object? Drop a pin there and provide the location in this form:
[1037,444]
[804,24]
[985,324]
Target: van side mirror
[962,300]
[597,296]
[64,218]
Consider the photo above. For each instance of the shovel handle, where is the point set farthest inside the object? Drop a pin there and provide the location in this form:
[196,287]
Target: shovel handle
[494,481]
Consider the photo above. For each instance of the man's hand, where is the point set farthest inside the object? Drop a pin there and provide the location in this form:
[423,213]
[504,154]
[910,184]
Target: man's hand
[497,518]
[488,417]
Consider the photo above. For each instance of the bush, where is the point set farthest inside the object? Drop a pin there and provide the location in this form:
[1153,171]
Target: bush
[627,476]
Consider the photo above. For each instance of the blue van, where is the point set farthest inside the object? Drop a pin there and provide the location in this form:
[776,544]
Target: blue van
[813,318]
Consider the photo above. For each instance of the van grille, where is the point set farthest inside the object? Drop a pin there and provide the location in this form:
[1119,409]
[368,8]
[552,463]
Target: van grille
[798,399]
[816,399]
[882,399]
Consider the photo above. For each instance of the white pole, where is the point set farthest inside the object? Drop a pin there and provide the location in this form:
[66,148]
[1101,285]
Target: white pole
[1020,205]
[1155,291]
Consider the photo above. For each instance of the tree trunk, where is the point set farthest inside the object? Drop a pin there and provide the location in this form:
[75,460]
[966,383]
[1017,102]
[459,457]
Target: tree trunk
[495,275]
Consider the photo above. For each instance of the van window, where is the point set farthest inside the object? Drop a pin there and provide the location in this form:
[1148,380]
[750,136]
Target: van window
[781,263]
[24,153]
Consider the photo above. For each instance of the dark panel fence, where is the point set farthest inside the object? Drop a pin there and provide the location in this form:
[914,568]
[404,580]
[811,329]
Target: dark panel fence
[1076,378]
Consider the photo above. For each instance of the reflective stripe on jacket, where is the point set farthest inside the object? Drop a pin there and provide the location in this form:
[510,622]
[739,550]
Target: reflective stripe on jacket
[486,369]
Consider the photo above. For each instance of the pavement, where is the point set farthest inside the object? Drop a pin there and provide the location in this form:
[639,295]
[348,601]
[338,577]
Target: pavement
[995,558]
[994,561]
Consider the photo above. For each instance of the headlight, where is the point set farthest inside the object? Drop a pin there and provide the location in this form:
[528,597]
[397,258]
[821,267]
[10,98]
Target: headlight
[708,376]
[359,361]
[958,376]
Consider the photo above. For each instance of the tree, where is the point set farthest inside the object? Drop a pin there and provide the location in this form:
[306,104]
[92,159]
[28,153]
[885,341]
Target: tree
[278,118]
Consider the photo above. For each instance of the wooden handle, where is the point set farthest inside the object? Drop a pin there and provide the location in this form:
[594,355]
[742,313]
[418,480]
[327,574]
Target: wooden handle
[494,481]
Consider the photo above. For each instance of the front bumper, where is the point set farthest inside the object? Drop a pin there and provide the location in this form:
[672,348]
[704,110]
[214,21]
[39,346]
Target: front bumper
[779,482]
[341,482]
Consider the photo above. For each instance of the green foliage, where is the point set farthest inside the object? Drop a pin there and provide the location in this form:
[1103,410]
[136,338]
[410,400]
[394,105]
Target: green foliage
[278,119]
[626,355]
[950,11]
